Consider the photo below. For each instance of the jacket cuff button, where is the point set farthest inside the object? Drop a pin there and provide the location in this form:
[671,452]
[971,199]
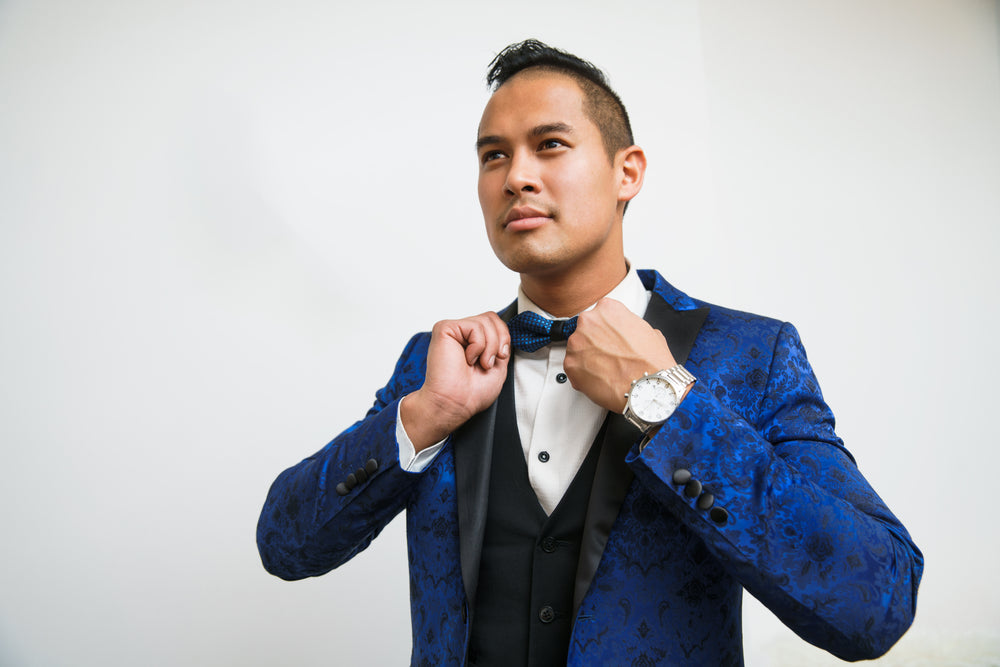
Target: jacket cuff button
[371,466]
[719,515]
[706,501]
[682,476]
[692,489]
[342,489]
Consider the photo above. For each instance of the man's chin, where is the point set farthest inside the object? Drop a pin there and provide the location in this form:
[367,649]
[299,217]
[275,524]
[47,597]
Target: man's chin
[531,264]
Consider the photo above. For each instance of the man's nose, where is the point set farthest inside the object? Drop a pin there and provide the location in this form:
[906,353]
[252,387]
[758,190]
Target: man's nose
[522,176]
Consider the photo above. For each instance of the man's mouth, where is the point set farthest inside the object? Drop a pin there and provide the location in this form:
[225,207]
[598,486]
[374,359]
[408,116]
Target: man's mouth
[522,218]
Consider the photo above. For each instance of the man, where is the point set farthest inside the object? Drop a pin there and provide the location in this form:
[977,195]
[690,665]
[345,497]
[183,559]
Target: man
[592,475]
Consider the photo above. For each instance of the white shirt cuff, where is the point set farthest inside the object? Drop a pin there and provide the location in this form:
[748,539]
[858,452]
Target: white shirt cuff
[410,460]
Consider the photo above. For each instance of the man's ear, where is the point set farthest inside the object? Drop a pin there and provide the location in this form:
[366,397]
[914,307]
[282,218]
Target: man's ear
[631,164]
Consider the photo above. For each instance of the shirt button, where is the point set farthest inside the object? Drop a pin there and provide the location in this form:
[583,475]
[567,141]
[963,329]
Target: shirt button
[561,378]
[546,614]
[543,457]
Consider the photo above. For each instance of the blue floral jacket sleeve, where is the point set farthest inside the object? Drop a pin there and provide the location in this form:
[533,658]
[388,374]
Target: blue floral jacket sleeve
[306,527]
[805,533]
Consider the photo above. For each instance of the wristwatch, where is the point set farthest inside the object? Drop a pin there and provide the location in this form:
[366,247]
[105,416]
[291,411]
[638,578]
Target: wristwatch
[653,398]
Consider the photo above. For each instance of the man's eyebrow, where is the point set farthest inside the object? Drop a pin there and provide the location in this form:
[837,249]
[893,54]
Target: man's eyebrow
[538,130]
[487,140]
[549,128]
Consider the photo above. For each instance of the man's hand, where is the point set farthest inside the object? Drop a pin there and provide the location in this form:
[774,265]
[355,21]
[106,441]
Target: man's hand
[466,367]
[610,348]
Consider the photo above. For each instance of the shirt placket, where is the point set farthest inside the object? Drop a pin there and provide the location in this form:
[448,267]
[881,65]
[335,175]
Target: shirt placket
[546,454]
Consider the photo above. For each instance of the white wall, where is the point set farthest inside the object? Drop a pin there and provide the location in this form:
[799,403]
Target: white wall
[220,221]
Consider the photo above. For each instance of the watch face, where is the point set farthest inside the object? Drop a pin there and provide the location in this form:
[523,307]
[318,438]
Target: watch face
[652,399]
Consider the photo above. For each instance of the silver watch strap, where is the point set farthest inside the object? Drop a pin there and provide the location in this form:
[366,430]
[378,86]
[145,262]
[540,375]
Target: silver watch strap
[679,378]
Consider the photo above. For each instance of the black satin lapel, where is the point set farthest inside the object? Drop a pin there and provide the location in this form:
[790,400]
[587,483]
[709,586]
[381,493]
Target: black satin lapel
[613,476]
[611,482]
[509,312]
[679,327]
[473,449]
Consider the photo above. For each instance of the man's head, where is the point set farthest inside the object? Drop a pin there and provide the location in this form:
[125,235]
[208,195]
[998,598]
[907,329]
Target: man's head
[602,106]
[552,191]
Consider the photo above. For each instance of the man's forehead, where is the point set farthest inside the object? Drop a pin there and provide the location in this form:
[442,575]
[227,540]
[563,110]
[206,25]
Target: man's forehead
[534,98]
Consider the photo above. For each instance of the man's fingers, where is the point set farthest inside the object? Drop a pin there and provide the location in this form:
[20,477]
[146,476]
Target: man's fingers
[490,340]
[475,340]
[484,338]
[497,339]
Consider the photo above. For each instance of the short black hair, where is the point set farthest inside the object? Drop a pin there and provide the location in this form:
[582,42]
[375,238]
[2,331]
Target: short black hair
[601,104]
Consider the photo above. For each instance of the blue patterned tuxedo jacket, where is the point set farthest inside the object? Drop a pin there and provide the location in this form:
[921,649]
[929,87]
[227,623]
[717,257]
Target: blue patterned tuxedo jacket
[661,573]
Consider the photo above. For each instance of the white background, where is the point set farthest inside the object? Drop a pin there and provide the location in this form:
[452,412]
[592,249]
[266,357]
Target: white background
[221,221]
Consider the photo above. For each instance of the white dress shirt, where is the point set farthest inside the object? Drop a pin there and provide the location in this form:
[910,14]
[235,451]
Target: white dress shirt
[556,423]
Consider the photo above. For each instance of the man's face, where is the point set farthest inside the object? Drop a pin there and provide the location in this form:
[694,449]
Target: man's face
[549,192]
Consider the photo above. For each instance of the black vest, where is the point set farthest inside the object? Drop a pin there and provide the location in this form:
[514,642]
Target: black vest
[523,612]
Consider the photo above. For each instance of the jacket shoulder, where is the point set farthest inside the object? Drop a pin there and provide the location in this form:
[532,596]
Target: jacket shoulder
[730,321]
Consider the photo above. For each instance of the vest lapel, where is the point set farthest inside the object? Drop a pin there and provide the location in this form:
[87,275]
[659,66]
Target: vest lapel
[472,445]
[613,476]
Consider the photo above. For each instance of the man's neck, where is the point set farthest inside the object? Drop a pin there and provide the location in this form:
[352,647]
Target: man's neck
[565,295]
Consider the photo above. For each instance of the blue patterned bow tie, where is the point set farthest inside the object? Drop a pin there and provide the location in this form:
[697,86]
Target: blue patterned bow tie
[530,331]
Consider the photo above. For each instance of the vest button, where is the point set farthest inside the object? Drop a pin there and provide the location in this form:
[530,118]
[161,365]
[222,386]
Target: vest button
[543,457]
[548,545]
[546,614]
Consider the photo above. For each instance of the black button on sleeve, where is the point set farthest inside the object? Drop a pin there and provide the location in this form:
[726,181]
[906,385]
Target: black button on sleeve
[342,489]
[371,466]
[351,481]
[719,515]
[692,489]
[361,475]
[706,501]
[681,476]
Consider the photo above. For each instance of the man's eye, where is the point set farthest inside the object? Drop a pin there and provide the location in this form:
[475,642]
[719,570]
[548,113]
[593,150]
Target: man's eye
[551,143]
[489,156]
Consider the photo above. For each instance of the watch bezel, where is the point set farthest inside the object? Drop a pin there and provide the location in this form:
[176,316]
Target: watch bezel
[676,378]
[651,418]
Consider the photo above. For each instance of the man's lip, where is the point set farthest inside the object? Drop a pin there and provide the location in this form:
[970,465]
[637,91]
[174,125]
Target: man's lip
[524,224]
[524,215]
